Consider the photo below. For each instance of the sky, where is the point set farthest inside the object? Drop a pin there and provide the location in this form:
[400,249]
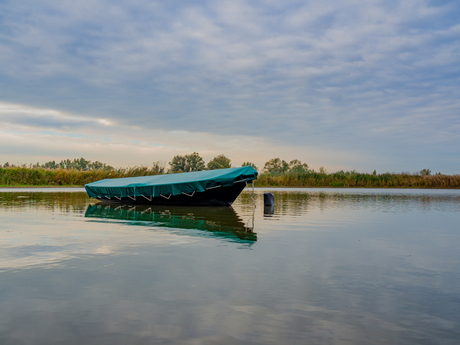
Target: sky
[353,85]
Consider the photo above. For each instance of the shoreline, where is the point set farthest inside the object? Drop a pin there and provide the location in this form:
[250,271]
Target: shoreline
[35,186]
[257,187]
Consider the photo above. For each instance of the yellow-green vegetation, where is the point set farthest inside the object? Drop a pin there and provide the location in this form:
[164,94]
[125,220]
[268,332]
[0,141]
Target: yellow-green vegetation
[219,162]
[276,173]
[354,179]
[23,176]
[279,173]
[187,163]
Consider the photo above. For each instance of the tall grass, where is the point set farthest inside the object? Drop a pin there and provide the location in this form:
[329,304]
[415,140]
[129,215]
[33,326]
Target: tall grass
[354,179]
[22,176]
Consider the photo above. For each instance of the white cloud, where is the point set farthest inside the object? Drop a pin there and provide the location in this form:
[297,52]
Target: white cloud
[121,146]
[237,68]
[28,118]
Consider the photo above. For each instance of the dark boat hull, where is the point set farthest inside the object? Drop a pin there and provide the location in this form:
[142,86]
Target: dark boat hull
[222,196]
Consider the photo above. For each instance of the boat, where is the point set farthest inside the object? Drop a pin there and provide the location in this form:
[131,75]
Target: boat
[199,188]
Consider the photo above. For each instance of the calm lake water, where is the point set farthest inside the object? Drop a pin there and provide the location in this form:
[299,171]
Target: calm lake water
[326,266]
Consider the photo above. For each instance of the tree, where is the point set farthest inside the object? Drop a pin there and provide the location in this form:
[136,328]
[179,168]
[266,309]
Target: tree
[219,162]
[425,172]
[246,164]
[187,163]
[79,164]
[297,167]
[195,162]
[159,168]
[178,164]
[276,166]
[99,166]
[65,164]
[50,165]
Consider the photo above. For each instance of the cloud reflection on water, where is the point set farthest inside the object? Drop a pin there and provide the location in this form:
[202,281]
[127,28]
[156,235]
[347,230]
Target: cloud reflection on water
[328,267]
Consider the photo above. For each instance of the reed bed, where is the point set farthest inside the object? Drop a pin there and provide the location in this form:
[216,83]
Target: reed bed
[358,180]
[23,176]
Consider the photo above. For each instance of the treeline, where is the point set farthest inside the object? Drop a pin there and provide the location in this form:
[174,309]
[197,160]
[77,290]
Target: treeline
[187,163]
[355,179]
[77,164]
[279,173]
[78,172]
[276,173]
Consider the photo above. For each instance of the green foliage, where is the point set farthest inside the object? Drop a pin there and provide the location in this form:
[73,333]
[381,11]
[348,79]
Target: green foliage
[276,166]
[77,164]
[159,168]
[245,164]
[77,172]
[178,164]
[219,162]
[51,165]
[297,167]
[23,176]
[277,173]
[187,163]
[425,172]
[357,180]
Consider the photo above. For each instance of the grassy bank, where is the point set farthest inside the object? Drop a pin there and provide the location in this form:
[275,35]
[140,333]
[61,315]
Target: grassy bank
[39,177]
[24,177]
[358,180]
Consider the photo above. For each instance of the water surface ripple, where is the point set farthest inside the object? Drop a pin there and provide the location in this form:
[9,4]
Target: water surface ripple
[324,266]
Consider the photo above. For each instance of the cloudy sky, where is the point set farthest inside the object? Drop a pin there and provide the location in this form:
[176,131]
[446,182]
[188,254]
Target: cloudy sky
[357,84]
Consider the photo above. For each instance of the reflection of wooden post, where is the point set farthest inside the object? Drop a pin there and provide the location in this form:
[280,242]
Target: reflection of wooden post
[269,210]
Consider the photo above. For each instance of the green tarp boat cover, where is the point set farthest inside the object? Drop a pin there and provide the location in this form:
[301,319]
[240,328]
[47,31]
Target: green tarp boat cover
[170,184]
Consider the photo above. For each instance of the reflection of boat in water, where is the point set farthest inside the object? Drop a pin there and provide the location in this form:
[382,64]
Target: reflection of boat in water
[218,221]
[204,188]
